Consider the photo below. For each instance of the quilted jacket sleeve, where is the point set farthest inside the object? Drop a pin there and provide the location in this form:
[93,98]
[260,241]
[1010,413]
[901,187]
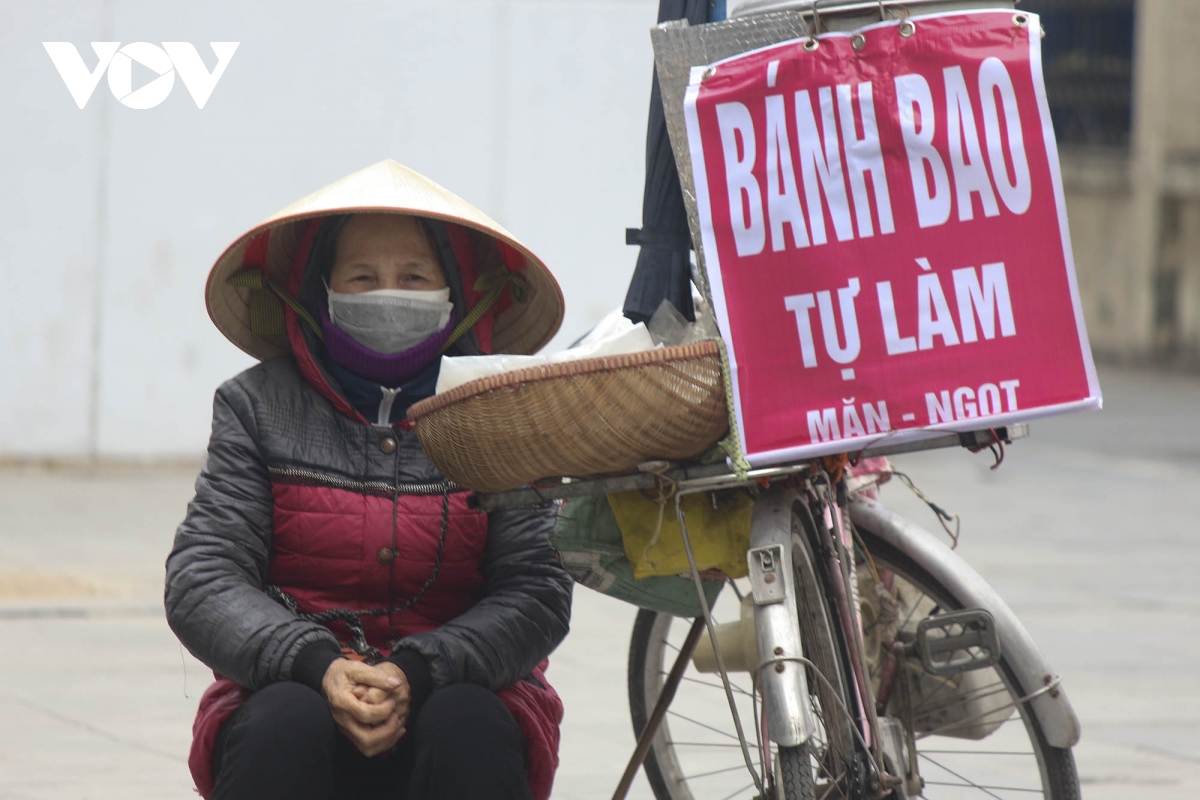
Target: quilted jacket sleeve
[217,568]
[524,614]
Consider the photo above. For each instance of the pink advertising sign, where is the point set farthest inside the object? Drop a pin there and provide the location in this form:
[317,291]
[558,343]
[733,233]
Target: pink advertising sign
[885,235]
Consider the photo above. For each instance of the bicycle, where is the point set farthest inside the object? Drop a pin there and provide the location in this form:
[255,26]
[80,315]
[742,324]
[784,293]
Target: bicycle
[886,667]
[880,665]
[862,658]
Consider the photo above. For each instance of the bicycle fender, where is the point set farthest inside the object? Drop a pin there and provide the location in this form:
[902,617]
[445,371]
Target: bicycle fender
[777,622]
[1051,706]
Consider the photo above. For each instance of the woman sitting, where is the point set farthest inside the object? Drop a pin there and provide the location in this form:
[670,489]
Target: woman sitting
[372,635]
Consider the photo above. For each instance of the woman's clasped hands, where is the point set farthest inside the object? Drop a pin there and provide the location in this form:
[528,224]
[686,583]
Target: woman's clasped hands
[369,704]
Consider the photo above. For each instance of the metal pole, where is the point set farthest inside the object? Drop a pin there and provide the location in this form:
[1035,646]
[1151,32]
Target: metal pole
[660,709]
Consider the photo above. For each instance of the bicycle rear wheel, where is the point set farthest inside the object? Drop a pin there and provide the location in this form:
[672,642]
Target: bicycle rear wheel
[695,753]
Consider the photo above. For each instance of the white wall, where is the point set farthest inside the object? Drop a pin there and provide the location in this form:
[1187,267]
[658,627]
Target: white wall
[110,217]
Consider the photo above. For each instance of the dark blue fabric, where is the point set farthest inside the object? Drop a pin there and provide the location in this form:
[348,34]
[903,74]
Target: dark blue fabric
[365,395]
[663,271]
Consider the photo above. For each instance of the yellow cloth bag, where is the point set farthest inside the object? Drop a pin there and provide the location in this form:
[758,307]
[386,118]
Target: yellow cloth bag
[720,535]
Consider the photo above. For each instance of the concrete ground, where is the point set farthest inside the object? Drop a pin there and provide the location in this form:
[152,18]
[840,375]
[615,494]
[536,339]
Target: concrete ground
[1091,531]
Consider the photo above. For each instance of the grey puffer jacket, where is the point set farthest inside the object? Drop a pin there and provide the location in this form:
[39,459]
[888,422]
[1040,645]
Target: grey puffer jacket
[276,438]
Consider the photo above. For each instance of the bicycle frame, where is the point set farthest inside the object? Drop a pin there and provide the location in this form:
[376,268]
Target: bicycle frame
[780,670]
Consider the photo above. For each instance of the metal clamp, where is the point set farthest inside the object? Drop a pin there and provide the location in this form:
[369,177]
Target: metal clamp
[766,580]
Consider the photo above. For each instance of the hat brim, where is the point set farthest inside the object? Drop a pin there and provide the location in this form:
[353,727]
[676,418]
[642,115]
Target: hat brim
[390,188]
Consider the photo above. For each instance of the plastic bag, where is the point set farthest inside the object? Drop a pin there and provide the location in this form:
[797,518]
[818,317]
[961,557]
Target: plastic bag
[613,336]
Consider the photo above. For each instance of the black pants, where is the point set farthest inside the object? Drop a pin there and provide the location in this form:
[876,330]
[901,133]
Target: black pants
[283,744]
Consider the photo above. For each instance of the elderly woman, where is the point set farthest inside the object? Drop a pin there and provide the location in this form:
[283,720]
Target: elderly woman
[372,635]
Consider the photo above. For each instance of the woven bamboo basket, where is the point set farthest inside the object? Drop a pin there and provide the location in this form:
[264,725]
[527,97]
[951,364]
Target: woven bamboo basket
[577,419]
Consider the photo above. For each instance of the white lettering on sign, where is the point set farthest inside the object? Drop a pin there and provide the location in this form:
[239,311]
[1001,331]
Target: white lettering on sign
[745,198]
[966,402]
[864,158]
[931,186]
[933,315]
[933,192]
[783,199]
[804,157]
[896,344]
[829,327]
[802,304]
[966,156]
[981,296]
[925,180]
[983,303]
[993,77]
[821,166]
[826,425]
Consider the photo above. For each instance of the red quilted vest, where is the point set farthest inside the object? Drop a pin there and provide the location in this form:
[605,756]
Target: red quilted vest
[334,548]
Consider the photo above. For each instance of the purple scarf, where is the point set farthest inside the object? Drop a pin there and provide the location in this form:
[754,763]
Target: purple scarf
[388,370]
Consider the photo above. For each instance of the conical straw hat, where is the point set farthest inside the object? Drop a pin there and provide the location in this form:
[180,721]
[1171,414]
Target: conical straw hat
[385,187]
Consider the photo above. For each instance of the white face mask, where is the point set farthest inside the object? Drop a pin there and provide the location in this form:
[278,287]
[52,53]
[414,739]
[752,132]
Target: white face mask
[390,321]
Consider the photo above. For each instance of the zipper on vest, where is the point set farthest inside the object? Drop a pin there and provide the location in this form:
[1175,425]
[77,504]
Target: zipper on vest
[363,487]
[385,405]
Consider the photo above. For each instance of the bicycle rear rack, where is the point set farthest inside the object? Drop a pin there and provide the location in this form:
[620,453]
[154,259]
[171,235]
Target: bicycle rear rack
[720,475]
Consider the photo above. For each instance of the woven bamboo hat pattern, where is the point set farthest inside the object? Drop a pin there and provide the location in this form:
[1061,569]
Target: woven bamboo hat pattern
[523,326]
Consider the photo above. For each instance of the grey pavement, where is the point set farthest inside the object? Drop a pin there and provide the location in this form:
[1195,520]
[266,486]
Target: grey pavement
[1090,530]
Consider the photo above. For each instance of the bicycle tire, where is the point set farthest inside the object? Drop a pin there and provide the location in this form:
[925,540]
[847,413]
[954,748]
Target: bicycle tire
[795,774]
[831,751]
[1054,775]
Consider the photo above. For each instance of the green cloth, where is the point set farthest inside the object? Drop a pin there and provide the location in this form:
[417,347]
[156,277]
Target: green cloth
[589,541]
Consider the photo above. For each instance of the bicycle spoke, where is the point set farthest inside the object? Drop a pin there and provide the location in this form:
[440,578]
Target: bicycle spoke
[978,692]
[723,771]
[732,685]
[745,788]
[983,788]
[984,691]
[970,783]
[942,686]
[916,604]
[956,729]
[1024,754]
[959,725]
[825,794]
[834,782]
[703,744]
[726,734]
